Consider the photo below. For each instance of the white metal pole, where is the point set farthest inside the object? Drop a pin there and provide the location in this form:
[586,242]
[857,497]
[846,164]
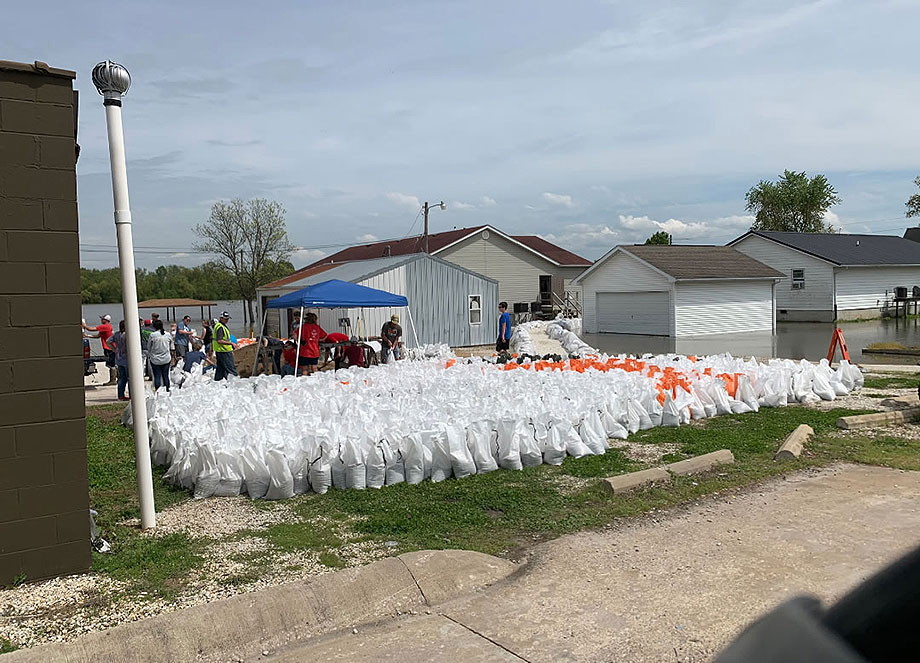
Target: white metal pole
[112,80]
[412,324]
[299,338]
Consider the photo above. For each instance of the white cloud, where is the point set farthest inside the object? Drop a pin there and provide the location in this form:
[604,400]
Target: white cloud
[457,205]
[585,238]
[405,200]
[832,220]
[488,202]
[302,257]
[558,199]
[367,238]
[712,232]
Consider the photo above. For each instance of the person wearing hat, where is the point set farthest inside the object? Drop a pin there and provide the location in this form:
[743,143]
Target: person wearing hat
[223,346]
[389,339]
[104,330]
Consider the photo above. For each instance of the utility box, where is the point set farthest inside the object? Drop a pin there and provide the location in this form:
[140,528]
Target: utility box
[44,491]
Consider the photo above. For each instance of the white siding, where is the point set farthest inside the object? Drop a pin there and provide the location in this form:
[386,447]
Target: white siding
[864,287]
[818,293]
[516,268]
[720,307]
[634,312]
[619,273]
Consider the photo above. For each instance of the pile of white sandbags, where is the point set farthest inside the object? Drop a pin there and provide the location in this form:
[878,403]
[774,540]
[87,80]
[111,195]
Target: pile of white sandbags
[273,437]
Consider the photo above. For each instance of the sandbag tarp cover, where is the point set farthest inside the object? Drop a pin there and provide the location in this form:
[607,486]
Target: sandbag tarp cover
[434,418]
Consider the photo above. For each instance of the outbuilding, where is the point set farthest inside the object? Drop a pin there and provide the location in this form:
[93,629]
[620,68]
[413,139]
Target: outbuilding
[448,304]
[677,291]
[831,276]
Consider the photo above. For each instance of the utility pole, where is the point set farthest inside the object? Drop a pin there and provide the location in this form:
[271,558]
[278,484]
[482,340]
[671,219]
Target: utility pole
[425,208]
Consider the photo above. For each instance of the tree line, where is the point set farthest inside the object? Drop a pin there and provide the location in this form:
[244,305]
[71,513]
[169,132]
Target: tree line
[208,281]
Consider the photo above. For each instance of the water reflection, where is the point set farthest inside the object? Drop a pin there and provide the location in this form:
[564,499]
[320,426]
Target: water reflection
[794,340]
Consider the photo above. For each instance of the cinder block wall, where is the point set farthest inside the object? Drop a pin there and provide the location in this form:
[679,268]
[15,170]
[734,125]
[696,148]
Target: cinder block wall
[44,524]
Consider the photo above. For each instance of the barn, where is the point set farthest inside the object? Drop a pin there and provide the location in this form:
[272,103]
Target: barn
[449,304]
[678,291]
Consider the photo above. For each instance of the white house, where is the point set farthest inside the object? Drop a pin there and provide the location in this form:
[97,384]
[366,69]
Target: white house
[834,276]
[677,291]
[528,268]
[449,304]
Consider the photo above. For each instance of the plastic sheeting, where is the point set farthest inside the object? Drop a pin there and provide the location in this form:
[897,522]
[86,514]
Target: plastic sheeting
[273,437]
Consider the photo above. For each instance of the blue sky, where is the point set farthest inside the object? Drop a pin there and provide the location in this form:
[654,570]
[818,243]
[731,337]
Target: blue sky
[589,123]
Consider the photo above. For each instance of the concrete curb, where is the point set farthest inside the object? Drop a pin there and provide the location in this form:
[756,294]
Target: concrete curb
[623,483]
[878,419]
[702,463]
[794,443]
[242,626]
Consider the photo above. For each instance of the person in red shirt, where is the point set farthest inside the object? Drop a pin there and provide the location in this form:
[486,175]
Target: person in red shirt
[309,334]
[104,330]
[290,358]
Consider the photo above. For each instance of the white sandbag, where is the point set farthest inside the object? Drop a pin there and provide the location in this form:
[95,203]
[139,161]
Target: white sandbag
[255,473]
[719,396]
[393,457]
[670,416]
[531,452]
[440,456]
[574,446]
[479,440]
[320,473]
[414,458]
[208,477]
[821,386]
[740,407]
[376,466]
[353,454]
[300,468]
[592,437]
[231,478]
[554,445]
[461,460]
[281,482]
[632,416]
[613,428]
[745,393]
[509,443]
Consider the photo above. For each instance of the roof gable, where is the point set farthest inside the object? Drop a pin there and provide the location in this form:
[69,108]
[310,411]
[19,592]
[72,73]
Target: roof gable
[847,249]
[439,241]
[688,262]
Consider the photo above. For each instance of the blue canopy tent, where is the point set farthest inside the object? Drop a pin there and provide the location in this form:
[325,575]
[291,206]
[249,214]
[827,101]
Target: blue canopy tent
[338,294]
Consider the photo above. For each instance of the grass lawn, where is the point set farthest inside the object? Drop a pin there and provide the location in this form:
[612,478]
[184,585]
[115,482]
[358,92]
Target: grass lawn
[891,382]
[501,512]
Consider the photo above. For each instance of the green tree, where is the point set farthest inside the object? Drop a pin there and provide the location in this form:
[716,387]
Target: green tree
[795,203]
[250,240]
[913,203]
[660,237]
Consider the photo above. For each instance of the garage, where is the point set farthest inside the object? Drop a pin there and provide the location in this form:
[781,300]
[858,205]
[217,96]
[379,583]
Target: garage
[634,313]
[678,291]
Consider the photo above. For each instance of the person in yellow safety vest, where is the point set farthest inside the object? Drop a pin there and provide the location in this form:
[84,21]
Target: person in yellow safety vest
[223,349]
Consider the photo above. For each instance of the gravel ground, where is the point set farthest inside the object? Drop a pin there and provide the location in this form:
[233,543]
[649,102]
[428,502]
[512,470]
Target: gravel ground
[62,609]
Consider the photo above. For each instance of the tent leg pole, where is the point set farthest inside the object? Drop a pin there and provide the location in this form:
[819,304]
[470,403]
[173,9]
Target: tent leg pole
[299,336]
[255,361]
[412,324]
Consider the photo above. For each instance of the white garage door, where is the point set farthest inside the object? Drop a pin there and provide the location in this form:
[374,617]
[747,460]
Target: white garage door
[634,313]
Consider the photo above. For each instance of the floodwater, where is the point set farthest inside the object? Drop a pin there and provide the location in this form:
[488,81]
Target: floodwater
[793,340]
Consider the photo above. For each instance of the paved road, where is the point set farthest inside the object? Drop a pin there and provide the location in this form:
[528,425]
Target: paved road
[675,589]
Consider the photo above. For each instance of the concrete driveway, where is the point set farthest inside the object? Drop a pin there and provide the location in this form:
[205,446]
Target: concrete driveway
[671,587]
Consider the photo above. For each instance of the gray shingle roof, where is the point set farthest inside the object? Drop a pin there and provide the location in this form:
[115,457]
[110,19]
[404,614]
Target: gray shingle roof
[843,249]
[702,262]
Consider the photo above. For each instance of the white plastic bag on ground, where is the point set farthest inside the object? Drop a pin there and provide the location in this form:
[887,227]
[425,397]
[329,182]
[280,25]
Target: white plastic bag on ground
[573,443]
[208,477]
[414,458]
[531,452]
[393,457]
[231,479]
[255,473]
[670,416]
[554,451]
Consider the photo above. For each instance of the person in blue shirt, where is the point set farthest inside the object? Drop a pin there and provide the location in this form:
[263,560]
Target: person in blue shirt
[183,336]
[504,328]
[196,356]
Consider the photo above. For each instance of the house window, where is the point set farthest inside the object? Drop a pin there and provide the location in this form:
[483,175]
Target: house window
[798,279]
[475,309]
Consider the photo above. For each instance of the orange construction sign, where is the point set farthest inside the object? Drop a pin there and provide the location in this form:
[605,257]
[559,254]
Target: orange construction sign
[837,339]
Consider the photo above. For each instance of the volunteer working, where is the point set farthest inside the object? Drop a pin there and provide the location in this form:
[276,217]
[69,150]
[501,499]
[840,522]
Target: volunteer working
[223,348]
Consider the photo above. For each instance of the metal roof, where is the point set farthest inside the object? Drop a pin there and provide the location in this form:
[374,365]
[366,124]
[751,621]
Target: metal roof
[845,249]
